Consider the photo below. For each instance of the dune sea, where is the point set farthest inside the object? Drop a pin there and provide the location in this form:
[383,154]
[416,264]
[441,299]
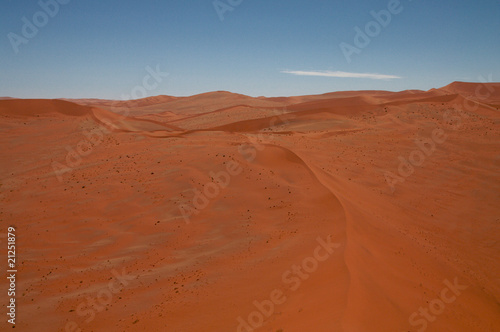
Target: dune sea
[347,211]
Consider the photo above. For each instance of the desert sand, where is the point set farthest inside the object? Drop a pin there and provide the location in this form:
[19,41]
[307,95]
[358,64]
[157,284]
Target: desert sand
[349,211]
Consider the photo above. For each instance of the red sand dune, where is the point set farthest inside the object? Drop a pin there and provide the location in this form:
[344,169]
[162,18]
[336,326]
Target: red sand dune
[125,103]
[114,235]
[489,91]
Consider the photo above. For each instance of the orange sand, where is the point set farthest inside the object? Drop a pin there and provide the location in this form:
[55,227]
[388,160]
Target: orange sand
[302,168]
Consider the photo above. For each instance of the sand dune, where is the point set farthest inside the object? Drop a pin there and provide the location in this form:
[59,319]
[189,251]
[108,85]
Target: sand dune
[349,211]
[37,107]
[109,120]
[124,103]
[475,91]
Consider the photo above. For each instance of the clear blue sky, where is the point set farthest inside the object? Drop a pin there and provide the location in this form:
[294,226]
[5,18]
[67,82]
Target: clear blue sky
[101,48]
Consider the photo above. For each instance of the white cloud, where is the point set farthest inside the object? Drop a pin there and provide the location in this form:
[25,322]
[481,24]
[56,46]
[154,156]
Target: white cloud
[341,74]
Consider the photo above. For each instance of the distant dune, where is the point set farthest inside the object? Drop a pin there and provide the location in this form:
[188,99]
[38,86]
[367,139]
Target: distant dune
[348,211]
[125,103]
[489,91]
[37,107]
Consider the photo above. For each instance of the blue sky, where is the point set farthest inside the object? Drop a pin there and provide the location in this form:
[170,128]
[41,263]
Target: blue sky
[101,49]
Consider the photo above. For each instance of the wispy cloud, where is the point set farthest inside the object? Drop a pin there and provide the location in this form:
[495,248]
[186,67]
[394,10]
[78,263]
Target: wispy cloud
[341,74]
